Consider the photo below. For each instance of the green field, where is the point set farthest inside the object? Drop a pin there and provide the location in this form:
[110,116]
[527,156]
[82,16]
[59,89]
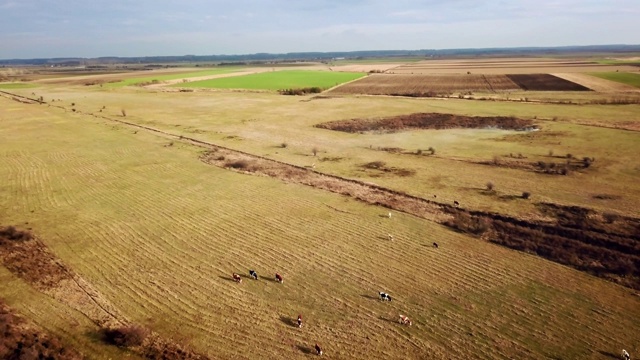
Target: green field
[17,85]
[278,80]
[621,77]
[139,80]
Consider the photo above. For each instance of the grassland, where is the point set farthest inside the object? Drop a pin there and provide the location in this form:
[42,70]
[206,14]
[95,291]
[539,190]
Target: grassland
[157,232]
[277,80]
[622,77]
[17,85]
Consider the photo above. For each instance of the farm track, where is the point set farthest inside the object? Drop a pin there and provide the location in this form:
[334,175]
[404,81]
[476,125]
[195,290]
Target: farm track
[170,259]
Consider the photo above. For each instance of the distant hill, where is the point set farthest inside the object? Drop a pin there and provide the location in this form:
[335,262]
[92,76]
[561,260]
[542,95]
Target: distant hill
[320,56]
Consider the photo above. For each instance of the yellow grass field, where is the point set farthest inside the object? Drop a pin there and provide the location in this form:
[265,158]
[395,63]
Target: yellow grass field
[157,232]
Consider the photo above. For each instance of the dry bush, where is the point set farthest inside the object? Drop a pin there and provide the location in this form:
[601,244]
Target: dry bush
[490,186]
[432,150]
[123,112]
[314,151]
[526,194]
[125,336]
[283,145]
[375,165]
[12,234]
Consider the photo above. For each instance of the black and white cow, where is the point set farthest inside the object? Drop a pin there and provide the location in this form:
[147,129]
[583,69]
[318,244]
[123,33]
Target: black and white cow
[318,350]
[253,274]
[384,296]
[625,355]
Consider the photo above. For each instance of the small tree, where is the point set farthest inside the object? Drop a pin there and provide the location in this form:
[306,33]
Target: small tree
[124,113]
[432,150]
[526,194]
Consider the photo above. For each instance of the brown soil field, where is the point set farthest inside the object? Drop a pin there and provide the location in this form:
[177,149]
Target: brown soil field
[427,121]
[506,66]
[544,82]
[423,85]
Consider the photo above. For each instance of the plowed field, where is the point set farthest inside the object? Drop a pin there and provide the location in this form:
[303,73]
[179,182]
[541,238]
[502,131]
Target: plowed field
[417,85]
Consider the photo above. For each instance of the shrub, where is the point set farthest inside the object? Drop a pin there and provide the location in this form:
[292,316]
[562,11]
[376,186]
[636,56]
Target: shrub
[490,186]
[237,164]
[124,113]
[13,234]
[418,152]
[526,194]
[375,165]
[432,150]
[131,335]
[550,152]
[283,145]
[314,151]
[569,156]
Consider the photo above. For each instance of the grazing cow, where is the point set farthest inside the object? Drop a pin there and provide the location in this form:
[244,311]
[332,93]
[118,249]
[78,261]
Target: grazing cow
[390,237]
[279,278]
[318,350]
[299,321]
[456,203]
[435,245]
[384,296]
[625,355]
[237,278]
[404,320]
[253,274]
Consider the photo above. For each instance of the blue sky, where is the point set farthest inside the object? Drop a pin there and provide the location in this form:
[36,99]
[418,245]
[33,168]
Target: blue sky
[93,28]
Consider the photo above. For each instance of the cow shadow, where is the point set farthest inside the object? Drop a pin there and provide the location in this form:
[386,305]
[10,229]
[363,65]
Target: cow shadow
[608,354]
[306,349]
[289,321]
[385,319]
[228,278]
[370,297]
[383,237]
[272,279]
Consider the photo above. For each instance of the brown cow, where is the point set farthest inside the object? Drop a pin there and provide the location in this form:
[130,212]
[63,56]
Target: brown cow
[404,320]
[279,278]
[237,278]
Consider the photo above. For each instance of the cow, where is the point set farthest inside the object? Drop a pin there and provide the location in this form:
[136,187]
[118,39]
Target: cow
[299,321]
[384,296]
[253,274]
[389,215]
[318,350]
[456,203]
[237,278]
[435,245]
[404,320]
[625,355]
[279,278]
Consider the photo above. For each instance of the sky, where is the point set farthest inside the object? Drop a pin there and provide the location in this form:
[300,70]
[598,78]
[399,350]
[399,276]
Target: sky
[95,28]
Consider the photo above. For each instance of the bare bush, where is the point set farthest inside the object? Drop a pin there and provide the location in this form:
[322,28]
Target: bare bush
[314,151]
[490,186]
[284,145]
[526,194]
[125,336]
[123,112]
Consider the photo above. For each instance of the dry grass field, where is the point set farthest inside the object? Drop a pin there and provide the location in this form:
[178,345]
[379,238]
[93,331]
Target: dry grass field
[115,184]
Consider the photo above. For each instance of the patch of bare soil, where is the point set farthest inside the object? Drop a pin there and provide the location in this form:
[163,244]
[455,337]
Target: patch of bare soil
[604,245]
[22,340]
[545,82]
[428,121]
[30,259]
[380,167]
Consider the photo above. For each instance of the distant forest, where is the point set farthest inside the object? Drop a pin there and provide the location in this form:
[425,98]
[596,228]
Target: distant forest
[325,56]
